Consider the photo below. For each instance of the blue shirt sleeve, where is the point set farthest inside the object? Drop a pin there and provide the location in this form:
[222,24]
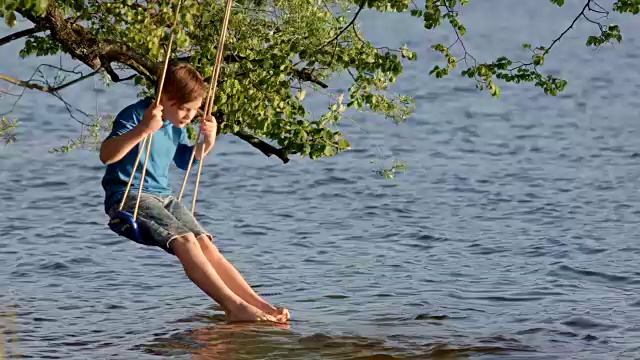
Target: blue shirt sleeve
[124,121]
[183,152]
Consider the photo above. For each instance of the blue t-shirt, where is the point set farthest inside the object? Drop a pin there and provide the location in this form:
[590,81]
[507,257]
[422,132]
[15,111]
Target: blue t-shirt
[169,144]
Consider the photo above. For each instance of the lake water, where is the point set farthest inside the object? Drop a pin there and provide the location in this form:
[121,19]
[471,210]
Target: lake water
[513,234]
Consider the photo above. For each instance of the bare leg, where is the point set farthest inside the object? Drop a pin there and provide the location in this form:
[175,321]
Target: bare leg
[232,278]
[200,272]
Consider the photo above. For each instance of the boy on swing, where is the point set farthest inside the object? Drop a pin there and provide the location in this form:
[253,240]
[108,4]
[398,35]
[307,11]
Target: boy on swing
[160,215]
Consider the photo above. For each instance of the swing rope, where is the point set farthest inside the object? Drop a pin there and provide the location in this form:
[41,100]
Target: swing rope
[208,106]
[150,136]
[146,141]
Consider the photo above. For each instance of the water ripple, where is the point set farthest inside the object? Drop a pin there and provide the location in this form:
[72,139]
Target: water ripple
[512,235]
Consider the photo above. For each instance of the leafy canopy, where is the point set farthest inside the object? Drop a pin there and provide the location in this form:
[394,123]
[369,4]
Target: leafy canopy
[279,50]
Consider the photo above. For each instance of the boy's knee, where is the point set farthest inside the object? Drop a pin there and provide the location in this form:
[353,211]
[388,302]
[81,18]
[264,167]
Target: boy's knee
[205,243]
[187,240]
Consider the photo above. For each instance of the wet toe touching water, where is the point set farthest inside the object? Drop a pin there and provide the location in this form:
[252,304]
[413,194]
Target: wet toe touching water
[512,235]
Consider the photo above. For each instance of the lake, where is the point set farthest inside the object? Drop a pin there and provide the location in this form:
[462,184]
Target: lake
[512,235]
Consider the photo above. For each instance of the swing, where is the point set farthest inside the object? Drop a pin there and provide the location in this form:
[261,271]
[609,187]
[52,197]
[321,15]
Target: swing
[123,222]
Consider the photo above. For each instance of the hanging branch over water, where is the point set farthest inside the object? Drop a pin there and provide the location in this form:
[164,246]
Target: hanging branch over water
[538,57]
[263,146]
[522,71]
[276,53]
[53,89]
[99,55]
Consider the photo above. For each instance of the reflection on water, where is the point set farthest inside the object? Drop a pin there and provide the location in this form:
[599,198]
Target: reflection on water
[252,341]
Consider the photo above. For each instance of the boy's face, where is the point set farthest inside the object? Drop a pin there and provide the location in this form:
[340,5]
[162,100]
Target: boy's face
[180,114]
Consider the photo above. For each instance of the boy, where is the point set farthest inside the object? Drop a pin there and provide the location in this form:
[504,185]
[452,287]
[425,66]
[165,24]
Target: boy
[165,220]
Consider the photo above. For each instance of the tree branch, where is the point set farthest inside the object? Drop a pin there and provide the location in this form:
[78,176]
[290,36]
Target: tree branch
[26,84]
[114,76]
[254,141]
[20,34]
[53,90]
[46,88]
[307,75]
[229,58]
[265,147]
[58,88]
[601,10]
[585,8]
[82,45]
[117,52]
[360,7]
[459,39]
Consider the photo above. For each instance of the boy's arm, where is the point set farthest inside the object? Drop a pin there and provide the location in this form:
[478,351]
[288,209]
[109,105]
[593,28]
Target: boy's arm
[208,145]
[127,134]
[115,148]
[185,150]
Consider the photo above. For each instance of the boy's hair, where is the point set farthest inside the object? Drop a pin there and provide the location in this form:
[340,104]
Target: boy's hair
[182,83]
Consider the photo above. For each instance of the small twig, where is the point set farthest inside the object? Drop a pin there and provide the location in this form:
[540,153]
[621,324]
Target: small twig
[459,39]
[112,74]
[352,76]
[360,7]
[586,6]
[333,56]
[69,108]
[600,26]
[601,9]
[53,90]
[3,92]
[58,88]
[50,90]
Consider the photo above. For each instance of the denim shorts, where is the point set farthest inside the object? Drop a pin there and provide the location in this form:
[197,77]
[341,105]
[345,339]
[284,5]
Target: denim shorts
[161,219]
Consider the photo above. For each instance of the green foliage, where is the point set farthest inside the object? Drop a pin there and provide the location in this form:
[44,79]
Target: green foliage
[389,172]
[279,53]
[273,50]
[503,68]
[260,90]
[612,32]
[7,130]
[90,136]
[627,6]
[8,8]
[39,46]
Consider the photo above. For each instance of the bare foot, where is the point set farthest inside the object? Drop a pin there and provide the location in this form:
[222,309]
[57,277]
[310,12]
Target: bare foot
[248,313]
[281,314]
